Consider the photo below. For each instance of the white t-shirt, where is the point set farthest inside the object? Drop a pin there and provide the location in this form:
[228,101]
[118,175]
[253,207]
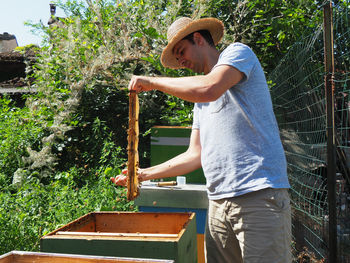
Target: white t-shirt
[241,148]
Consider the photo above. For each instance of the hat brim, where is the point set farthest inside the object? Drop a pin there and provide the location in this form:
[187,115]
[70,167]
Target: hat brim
[213,25]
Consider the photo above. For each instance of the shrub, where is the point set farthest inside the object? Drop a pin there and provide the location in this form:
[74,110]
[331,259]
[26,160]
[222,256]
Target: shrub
[35,209]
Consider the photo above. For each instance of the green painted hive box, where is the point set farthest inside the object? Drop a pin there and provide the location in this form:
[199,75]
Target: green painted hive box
[37,257]
[127,234]
[168,142]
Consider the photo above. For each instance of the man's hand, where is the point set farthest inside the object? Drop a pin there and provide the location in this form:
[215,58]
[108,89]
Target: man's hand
[121,179]
[140,83]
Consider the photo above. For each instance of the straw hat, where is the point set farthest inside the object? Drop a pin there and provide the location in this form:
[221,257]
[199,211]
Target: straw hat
[185,26]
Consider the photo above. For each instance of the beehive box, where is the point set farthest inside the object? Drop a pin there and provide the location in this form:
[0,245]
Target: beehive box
[35,257]
[127,234]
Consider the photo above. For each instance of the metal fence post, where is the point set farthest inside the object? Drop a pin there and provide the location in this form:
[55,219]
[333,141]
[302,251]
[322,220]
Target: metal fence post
[331,146]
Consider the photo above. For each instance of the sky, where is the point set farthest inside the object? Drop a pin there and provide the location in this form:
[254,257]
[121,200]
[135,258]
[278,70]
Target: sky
[13,14]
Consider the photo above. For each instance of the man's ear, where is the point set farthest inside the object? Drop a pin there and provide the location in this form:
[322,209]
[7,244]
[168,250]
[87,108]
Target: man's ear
[198,38]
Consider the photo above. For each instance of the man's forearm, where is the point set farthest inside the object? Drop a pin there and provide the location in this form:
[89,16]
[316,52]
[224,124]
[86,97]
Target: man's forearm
[179,165]
[193,89]
[201,88]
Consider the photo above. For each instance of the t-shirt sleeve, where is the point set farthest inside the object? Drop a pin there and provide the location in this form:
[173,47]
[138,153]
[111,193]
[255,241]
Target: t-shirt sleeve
[195,124]
[239,56]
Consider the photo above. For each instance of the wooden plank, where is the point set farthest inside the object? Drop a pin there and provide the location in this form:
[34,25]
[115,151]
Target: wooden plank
[7,258]
[128,222]
[83,223]
[116,247]
[187,245]
[104,234]
[133,140]
[35,257]
[169,223]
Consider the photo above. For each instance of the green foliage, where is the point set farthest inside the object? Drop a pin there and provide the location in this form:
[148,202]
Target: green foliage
[19,129]
[35,209]
[83,71]
[24,49]
[268,27]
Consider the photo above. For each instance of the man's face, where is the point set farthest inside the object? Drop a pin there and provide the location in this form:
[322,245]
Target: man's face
[187,54]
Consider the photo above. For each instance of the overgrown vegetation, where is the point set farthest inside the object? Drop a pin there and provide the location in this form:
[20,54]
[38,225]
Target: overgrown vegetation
[58,152]
[35,209]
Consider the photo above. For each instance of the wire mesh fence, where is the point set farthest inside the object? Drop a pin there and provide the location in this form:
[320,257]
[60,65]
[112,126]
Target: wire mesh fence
[298,93]
[342,121]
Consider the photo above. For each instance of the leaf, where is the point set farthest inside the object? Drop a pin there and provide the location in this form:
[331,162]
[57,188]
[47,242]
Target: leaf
[152,32]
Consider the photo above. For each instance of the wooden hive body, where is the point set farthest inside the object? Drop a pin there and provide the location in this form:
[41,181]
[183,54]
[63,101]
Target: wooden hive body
[127,234]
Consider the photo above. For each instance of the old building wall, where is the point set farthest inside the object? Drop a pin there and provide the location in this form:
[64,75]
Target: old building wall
[8,42]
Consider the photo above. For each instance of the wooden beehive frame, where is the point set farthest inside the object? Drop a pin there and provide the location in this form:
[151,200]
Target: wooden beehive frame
[133,141]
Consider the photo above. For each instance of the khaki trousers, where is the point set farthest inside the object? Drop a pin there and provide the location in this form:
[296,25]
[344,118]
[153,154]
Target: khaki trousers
[255,227]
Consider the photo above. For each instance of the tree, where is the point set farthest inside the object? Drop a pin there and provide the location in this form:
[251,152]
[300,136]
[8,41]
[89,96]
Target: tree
[268,27]
[84,67]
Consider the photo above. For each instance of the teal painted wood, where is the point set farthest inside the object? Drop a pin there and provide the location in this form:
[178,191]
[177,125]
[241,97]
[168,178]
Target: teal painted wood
[187,248]
[114,248]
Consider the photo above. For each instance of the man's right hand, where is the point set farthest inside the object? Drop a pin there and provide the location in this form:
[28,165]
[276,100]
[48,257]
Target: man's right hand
[140,83]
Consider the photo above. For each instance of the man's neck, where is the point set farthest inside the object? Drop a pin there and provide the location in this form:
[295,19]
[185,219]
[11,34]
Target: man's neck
[211,59]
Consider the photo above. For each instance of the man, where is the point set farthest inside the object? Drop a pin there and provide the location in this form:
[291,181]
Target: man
[234,139]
